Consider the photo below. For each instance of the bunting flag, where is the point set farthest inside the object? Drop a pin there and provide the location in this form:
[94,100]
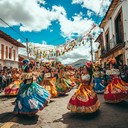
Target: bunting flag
[60,50]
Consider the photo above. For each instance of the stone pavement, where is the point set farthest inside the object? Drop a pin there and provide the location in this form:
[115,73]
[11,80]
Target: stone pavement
[56,115]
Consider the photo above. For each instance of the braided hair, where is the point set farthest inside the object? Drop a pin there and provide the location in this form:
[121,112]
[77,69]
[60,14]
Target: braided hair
[90,71]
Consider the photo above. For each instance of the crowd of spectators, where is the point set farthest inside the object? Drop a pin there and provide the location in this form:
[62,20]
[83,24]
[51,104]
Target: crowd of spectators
[5,77]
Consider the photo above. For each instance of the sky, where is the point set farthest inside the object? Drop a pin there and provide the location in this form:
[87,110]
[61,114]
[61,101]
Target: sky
[53,22]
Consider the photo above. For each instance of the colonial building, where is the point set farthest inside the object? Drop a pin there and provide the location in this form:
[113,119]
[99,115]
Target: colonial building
[114,39]
[9,50]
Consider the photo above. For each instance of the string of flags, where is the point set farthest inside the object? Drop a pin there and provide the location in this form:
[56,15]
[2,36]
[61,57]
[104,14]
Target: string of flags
[53,52]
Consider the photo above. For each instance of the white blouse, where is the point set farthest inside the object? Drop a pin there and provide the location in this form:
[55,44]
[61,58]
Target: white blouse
[85,77]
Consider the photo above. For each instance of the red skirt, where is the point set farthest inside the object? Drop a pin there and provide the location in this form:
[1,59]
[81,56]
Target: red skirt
[84,101]
[12,88]
[116,91]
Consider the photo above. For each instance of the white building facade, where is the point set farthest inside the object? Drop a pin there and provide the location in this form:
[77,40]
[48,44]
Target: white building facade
[115,32]
[9,51]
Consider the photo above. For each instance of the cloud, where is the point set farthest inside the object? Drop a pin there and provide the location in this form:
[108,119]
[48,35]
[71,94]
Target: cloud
[32,17]
[29,17]
[81,52]
[94,5]
[78,53]
[89,13]
[78,25]
[43,46]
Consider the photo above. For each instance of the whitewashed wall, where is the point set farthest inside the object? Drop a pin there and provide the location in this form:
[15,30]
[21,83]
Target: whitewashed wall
[7,61]
[111,24]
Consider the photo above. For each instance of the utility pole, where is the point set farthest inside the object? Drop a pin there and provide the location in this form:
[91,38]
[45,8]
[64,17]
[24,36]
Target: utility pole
[27,48]
[91,48]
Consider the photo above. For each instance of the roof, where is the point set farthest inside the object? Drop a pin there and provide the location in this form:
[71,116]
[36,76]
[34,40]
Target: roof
[10,39]
[108,15]
[99,37]
[22,57]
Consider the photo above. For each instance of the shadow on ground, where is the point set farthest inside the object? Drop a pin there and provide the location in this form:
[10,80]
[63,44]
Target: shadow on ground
[20,119]
[72,119]
[120,107]
[4,97]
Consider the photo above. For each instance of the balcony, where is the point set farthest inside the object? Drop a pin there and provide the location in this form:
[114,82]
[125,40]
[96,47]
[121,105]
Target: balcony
[116,40]
[115,43]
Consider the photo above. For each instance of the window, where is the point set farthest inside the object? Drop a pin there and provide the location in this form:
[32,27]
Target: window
[10,53]
[14,54]
[2,51]
[6,51]
[119,28]
[107,40]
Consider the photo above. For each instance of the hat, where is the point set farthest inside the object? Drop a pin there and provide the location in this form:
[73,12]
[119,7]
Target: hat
[88,64]
[111,61]
[60,66]
[25,61]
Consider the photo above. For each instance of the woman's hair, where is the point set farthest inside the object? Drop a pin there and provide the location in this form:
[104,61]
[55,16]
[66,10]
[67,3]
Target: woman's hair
[26,69]
[90,73]
[115,65]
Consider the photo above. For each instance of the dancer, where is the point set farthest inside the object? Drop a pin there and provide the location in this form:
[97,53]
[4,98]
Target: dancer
[85,99]
[31,97]
[63,86]
[105,78]
[117,90]
[13,87]
[48,81]
[98,86]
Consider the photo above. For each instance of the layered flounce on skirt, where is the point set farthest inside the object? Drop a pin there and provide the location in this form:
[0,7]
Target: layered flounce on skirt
[49,85]
[63,86]
[84,101]
[30,99]
[39,79]
[116,91]
[13,88]
[98,86]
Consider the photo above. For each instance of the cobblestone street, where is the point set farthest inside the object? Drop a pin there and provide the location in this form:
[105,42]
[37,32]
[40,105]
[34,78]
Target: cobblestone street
[56,115]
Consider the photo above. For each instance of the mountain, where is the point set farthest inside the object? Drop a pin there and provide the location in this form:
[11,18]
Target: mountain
[79,63]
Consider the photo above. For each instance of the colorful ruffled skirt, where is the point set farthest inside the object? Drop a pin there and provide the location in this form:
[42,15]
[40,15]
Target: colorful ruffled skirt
[63,86]
[98,86]
[30,99]
[39,79]
[84,101]
[12,88]
[49,85]
[116,91]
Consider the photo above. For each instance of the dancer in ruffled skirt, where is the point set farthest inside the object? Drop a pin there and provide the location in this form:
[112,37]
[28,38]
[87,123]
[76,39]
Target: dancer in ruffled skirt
[13,88]
[31,96]
[117,90]
[97,82]
[85,99]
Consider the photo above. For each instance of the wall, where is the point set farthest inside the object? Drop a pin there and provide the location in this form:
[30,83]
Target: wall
[7,61]
[111,25]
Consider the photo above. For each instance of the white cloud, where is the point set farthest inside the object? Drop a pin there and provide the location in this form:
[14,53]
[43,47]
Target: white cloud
[81,52]
[19,40]
[44,42]
[28,15]
[32,17]
[93,5]
[89,13]
[42,46]
[79,25]
[51,30]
